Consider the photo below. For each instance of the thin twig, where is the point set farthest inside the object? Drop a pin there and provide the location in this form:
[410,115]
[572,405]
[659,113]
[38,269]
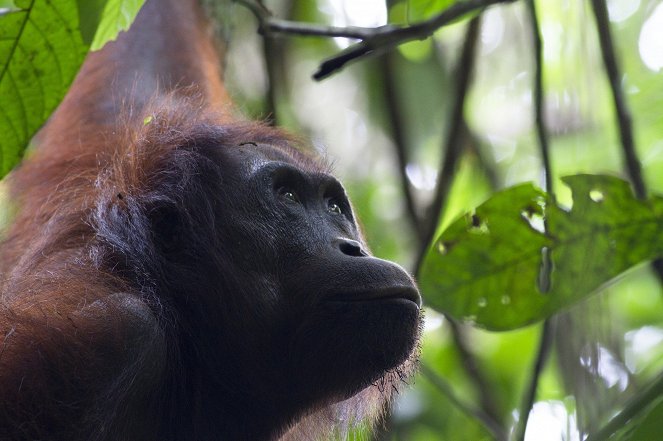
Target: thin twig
[400,144]
[530,393]
[538,96]
[624,121]
[312,30]
[452,142]
[450,159]
[545,342]
[372,40]
[268,23]
[387,38]
[484,389]
[477,414]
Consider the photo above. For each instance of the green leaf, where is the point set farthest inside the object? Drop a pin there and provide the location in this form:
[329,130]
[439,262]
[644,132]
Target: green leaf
[497,268]
[422,9]
[117,16]
[40,52]
[412,11]
[42,46]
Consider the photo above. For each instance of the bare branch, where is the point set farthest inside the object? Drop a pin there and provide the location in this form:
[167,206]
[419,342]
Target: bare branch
[484,389]
[452,144]
[308,29]
[389,37]
[623,115]
[632,163]
[396,123]
[538,96]
[545,341]
[530,393]
[373,40]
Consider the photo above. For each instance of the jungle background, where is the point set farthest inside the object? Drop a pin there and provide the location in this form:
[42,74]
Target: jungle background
[544,308]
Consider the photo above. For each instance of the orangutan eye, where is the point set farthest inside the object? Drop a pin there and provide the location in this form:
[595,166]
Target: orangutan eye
[334,208]
[288,194]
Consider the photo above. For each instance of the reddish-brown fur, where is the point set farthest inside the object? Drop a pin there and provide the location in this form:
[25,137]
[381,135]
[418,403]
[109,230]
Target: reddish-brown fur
[79,358]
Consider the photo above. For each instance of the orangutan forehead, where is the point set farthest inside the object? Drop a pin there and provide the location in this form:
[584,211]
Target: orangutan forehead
[257,154]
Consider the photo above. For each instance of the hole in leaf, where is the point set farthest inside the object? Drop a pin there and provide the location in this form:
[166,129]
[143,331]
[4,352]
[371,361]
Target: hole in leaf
[543,281]
[477,225]
[444,247]
[596,195]
[535,220]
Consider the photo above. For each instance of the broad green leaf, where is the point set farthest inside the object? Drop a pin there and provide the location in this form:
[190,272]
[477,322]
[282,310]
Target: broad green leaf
[42,46]
[40,53]
[497,268]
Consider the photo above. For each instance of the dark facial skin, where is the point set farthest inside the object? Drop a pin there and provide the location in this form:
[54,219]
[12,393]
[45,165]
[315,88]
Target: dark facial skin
[339,317]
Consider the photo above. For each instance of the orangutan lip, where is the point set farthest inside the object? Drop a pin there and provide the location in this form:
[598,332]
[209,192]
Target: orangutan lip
[407,293]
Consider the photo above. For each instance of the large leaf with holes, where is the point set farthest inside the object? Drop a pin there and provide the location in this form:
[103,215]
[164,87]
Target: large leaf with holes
[41,49]
[519,257]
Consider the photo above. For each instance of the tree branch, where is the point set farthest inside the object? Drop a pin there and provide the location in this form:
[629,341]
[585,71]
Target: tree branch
[453,145]
[624,122]
[484,389]
[545,342]
[538,96]
[389,37]
[400,144]
[373,40]
[530,393]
